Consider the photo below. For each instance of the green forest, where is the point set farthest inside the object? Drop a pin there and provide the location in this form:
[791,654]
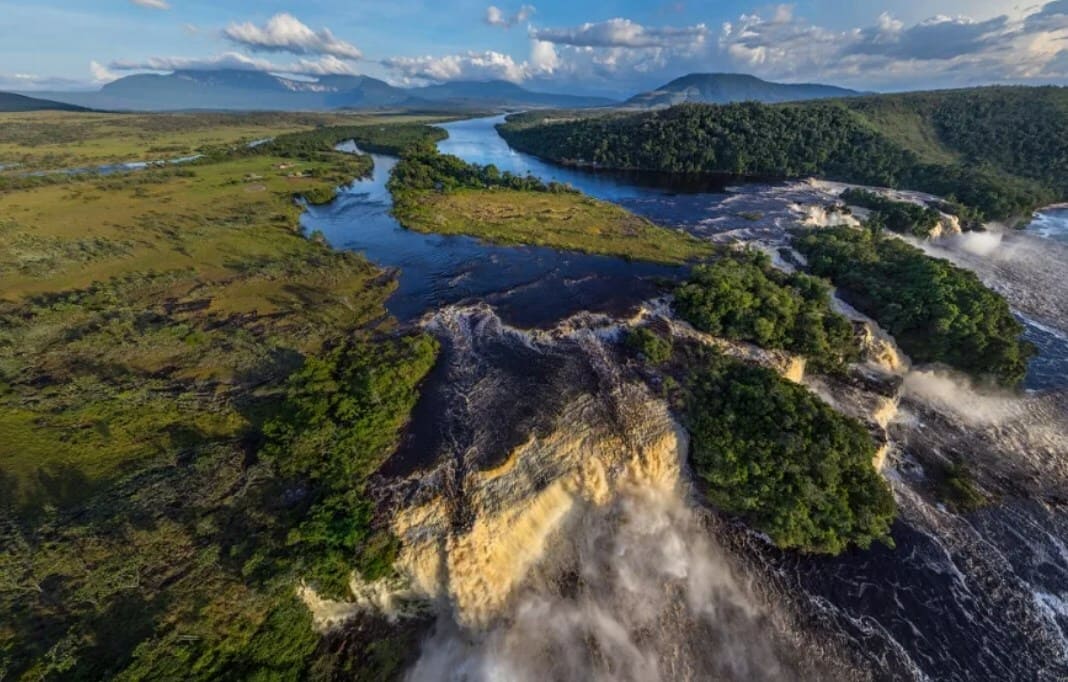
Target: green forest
[743,297]
[1000,151]
[771,452]
[936,311]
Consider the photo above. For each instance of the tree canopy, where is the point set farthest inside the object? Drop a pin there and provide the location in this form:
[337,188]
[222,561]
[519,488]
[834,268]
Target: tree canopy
[936,311]
[1000,152]
[773,453]
[743,297]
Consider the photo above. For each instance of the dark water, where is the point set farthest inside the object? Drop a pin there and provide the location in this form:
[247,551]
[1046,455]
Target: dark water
[1049,368]
[1051,224]
[982,596]
[530,286]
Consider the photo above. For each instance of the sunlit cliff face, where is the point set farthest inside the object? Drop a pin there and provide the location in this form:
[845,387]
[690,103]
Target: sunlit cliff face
[584,560]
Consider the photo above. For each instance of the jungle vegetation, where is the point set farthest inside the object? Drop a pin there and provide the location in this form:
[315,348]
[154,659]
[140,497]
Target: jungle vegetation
[936,311]
[1000,152]
[743,297]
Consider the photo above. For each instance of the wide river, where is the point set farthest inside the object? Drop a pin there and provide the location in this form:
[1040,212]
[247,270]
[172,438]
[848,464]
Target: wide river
[980,596]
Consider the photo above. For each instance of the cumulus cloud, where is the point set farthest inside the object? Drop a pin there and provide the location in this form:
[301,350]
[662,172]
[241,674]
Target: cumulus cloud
[495,16]
[941,50]
[285,33]
[621,32]
[487,65]
[152,4]
[323,66]
[100,73]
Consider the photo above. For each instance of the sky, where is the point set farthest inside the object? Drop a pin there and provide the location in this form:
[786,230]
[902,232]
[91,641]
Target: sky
[609,47]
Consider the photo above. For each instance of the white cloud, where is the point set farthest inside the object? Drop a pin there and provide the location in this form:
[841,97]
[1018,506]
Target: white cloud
[495,16]
[487,65]
[32,81]
[622,33]
[100,73]
[323,66]
[285,33]
[941,50]
[152,4]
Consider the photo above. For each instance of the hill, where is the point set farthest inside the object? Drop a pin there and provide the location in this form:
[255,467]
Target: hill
[256,91]
[10,101]
[725,88]
[1001,152]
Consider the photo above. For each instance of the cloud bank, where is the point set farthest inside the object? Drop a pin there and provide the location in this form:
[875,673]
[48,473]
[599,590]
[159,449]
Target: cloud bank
[1028,45]
[285,33]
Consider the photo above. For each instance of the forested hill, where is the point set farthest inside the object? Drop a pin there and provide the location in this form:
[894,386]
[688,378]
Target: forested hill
[10,101]
[1000,150]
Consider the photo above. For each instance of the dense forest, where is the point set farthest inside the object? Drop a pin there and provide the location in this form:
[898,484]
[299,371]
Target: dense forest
[1000,152]
[773,453]
[422,167]
[743,297]
[936,311]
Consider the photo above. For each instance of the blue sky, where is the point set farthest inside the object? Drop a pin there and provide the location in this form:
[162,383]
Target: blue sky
[607,47]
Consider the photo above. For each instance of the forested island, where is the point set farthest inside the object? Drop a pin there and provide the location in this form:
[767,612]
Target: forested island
[742,297]
[1000,151]
[936,311]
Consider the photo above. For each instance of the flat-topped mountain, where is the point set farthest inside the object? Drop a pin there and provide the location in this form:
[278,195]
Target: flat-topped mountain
[725,88]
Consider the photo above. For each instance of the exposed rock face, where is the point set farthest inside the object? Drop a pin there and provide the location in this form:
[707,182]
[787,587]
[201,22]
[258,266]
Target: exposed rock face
[519,507]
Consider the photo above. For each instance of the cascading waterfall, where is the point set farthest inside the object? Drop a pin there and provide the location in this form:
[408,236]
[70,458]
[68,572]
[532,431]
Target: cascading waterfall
[548,521]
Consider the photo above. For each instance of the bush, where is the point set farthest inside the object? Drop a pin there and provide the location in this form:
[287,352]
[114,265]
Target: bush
[771,452]
[648,343]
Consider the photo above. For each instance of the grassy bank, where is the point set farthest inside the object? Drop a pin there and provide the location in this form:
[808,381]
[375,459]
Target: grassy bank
[444,195]
[159,331]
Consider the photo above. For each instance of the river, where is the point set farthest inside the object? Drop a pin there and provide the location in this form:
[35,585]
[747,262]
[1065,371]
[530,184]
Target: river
[982,595]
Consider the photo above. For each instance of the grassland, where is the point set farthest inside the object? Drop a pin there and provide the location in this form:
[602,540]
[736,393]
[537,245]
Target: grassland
[54,140]
[440,193]
[559,220]
[157,328]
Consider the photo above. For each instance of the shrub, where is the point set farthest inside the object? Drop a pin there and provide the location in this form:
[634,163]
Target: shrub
[648,343]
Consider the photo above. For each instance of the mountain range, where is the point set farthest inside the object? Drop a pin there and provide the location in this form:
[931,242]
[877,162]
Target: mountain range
[253,90]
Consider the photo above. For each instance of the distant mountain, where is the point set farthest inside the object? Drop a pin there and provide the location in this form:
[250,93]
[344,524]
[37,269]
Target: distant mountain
[724,88]
[254,90]
[9,101]
[503,93]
